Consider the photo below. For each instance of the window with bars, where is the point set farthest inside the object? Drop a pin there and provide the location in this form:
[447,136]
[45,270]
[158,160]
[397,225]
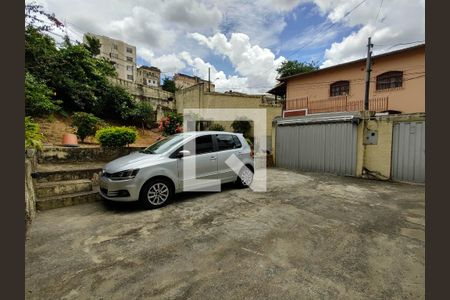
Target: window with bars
[339,88]
[129,58]
[389,80]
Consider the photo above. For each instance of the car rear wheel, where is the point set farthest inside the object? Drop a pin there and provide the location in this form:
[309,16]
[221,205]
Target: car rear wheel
[156,193]
[245,177]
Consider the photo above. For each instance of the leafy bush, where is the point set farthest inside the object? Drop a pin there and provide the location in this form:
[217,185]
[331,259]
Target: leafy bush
[38,98]
[86,124]
[216,127]
[116,136]
[172,123]
[33,136]
[241,126]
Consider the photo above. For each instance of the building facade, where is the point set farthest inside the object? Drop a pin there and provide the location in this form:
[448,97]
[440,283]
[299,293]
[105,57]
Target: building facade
[123,56]
[397,85]
[198,97]
[148,76]
[183,81]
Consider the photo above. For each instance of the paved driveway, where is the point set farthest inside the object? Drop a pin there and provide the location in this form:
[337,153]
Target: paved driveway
[310,236]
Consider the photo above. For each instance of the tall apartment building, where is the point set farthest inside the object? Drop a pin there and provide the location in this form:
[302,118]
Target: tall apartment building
[149,76]
[123,56]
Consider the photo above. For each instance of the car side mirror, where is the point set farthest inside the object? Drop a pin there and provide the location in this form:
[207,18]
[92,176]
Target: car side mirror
[183,153]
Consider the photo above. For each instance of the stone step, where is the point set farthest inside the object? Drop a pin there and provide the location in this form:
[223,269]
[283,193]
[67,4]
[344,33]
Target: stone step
[68,200]
[63,172]
[58,188]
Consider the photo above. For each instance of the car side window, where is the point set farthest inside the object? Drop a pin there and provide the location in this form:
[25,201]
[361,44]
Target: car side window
[227,141]
[203,144]
[237,142]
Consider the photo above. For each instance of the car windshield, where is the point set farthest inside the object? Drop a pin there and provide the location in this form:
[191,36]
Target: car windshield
[164,144]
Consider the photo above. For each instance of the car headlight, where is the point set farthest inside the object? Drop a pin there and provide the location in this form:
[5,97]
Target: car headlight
[123,175]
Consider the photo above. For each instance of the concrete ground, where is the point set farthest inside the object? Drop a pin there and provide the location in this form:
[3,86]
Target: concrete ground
[310,236]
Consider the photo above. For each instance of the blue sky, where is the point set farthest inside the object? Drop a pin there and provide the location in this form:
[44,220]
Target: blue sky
[243,42]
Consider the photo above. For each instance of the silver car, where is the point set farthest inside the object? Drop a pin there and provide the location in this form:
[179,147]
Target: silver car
[153,175]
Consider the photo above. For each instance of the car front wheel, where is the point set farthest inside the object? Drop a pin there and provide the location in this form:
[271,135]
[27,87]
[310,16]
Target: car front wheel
[156,193]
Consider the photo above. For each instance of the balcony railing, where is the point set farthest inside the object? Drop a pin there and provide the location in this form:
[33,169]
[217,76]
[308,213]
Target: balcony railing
[336,104]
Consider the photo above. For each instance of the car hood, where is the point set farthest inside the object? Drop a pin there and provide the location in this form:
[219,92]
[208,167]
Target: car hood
[134,160]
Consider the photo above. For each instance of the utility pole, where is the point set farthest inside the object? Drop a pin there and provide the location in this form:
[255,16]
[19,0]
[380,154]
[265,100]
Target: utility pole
[368,70]
[209,79]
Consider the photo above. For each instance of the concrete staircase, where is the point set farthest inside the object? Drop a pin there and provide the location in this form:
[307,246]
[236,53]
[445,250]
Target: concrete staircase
[59,185]
[68,176]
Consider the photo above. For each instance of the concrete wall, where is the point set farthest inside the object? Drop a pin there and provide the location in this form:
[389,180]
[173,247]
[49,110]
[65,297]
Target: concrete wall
[72,155]
[410,98]
[373,160]
[160,100]
[30,196]
[197,97]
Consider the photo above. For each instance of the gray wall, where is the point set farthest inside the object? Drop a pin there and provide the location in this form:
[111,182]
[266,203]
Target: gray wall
[408,152]
[329,147]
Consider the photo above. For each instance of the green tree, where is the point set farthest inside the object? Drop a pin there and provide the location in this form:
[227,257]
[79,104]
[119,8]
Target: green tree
[74,73]
[292,67]
[169,85]
[38,98]
[93,45]
[142,114]
[241,126]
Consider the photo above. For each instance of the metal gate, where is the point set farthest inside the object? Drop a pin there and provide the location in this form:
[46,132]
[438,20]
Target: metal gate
[325,147]
[408,152]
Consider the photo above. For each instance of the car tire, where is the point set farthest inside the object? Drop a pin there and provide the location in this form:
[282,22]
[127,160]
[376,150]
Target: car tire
[156,193]
[245,178]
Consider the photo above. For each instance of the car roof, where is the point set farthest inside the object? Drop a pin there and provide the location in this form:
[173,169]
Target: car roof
[197,133]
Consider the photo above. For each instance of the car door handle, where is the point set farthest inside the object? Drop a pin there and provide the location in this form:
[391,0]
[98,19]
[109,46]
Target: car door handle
[213,158]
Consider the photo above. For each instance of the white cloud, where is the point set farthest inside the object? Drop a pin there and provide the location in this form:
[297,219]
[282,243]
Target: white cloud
[258,65]
[399,21]
[168,63]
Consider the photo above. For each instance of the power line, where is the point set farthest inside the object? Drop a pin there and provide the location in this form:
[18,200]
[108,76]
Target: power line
[326,29]
[381,4]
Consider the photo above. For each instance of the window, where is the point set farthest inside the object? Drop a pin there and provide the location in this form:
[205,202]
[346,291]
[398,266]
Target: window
[115,46]
[114,55]
[129,50]
[339,88]
[164,144]
[237,142]
[227,141]
[203,144]
[129,68]
[389,80]
[130,77]
[129,58]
